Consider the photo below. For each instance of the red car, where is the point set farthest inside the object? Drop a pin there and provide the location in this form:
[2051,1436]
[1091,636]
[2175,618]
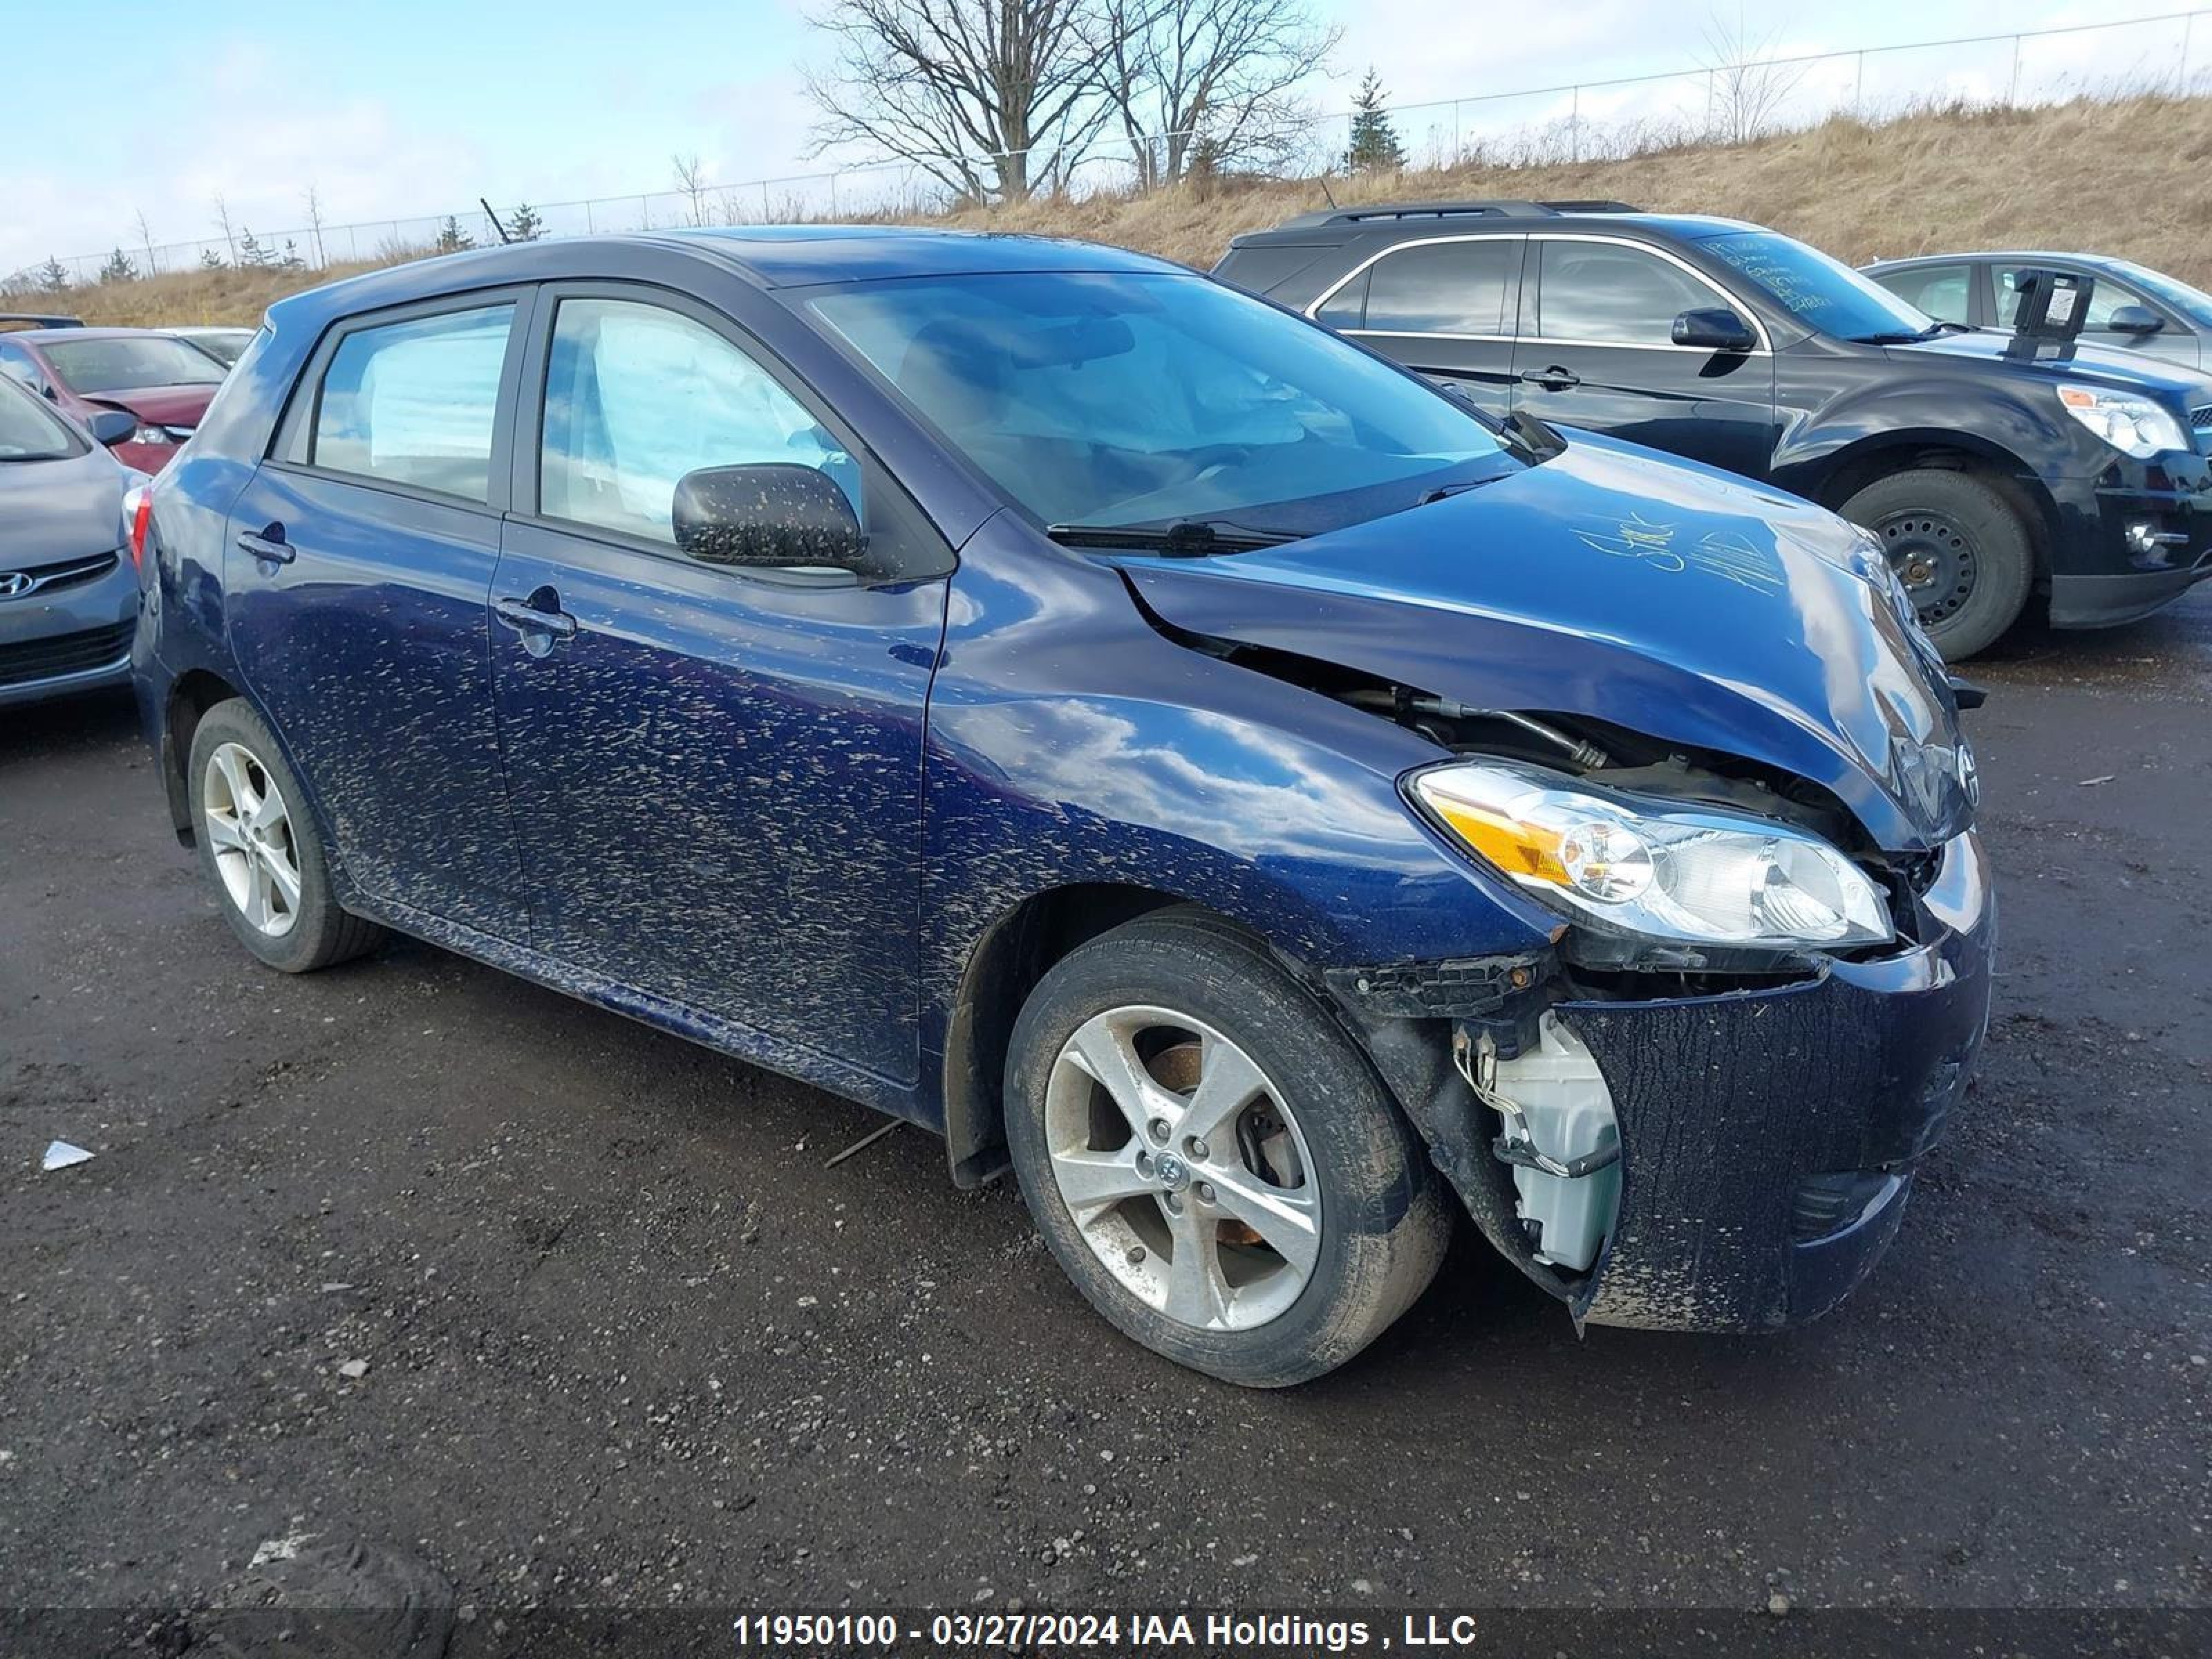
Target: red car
[165,383]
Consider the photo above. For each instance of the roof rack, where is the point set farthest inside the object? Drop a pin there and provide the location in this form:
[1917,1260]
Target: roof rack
[1497,209]
[33,320]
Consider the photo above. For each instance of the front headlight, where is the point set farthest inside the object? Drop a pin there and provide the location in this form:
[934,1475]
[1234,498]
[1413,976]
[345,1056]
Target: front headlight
[2131,424]
[1634,866]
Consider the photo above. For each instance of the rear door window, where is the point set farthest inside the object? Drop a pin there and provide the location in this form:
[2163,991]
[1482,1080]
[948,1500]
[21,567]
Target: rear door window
[415,403]
[1445,288]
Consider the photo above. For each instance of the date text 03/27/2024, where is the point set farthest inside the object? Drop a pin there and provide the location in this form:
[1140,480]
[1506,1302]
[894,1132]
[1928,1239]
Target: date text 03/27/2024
[1213,1631]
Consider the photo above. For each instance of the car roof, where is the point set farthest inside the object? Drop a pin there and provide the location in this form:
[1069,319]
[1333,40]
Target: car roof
[39,336]
[2022,254]
[1402,220]
[767,256]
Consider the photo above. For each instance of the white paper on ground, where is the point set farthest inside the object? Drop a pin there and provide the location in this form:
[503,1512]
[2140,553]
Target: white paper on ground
[60,1155]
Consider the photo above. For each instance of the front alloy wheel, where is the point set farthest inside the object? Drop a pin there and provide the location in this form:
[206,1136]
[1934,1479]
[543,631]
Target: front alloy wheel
[1212,1158]
[1183,1169]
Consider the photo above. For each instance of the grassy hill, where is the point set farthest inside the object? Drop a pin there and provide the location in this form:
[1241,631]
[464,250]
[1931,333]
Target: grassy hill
[2123,177]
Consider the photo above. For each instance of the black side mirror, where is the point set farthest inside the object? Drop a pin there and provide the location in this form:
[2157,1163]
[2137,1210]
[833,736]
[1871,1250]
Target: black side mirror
[1714,329]
[2136,319]
[110,427]
[776,514]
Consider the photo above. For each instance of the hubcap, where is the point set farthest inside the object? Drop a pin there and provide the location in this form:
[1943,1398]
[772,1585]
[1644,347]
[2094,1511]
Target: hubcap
[249,830]
[1183,1168]
[1934,558]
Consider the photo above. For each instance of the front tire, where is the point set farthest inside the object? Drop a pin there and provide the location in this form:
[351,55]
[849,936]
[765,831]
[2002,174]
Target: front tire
[1960,548]
[1211,1159]
[259,849]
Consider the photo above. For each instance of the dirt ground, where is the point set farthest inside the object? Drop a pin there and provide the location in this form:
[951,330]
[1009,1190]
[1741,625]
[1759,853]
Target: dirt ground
[627,1341]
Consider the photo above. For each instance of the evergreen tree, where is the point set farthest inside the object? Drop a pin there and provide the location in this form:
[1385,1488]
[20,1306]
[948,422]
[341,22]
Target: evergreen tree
[249,250]
[525,224]
[452,238]
[1375,147]
[119,268]
[211,259]
[291,259]
[53,275]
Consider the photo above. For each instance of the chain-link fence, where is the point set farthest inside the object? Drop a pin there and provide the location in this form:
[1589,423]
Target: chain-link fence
[1588,120]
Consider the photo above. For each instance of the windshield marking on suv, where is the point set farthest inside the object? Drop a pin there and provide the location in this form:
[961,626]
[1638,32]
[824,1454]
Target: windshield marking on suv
[1824,294]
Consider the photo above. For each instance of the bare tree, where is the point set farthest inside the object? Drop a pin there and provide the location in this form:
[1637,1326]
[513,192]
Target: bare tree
[146,241]
[314,201]
[691,180]
[1208,80]
[992,98]
[1746,90]
[223,218]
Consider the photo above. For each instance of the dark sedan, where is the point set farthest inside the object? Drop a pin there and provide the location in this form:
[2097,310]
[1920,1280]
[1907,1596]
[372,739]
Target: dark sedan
[69,589]
[156,377]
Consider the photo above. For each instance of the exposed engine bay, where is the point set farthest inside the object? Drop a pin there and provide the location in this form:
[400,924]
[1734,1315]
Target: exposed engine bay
[1553,1140]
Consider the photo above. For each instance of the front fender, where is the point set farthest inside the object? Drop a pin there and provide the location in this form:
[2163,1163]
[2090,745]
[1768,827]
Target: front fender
[1071,743]
[2007,427]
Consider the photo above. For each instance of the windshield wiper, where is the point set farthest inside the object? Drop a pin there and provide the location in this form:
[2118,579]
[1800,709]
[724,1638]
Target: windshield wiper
[1917,335]
[1185,537]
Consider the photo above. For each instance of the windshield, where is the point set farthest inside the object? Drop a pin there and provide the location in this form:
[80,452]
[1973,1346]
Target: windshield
[225,345]
[1141,400]
[125,362]
[28,432]
[1823,293]
[2193,303]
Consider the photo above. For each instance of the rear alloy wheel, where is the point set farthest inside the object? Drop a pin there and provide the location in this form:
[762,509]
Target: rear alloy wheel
[249,828]
[1211,1159]
[260,847]
[1959,548]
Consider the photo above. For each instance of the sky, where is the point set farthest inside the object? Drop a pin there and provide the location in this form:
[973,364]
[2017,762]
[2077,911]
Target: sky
[392,109]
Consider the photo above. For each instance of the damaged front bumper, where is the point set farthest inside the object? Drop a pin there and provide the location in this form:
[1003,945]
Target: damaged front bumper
[1768,1136]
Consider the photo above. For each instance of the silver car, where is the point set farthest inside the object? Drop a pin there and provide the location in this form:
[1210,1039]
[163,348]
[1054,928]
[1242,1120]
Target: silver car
[69,585]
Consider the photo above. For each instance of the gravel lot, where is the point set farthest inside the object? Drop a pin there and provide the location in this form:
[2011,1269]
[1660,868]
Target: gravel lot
[627,1340]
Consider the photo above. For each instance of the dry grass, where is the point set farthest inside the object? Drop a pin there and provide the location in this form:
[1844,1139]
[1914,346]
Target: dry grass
[2119,176]
[188,298]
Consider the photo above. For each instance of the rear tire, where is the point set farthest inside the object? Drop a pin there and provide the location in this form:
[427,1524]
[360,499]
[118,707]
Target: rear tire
[259,849]
[1294,1130]
[1959,546]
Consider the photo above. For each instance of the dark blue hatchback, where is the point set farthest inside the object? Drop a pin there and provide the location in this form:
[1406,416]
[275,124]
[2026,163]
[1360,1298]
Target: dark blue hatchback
[1161,746]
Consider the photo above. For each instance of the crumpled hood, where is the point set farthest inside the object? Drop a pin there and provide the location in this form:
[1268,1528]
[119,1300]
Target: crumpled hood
[164,405]
[1631,588]
[56,510]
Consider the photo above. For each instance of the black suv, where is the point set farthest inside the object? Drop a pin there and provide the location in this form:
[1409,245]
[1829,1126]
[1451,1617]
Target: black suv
[1991,470]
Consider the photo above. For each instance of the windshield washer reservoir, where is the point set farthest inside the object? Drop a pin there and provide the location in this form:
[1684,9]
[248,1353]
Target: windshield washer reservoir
[1561,1138]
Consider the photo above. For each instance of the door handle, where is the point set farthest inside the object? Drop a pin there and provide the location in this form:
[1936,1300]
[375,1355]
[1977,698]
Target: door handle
[533,616]
[268,545]
[1554,379]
